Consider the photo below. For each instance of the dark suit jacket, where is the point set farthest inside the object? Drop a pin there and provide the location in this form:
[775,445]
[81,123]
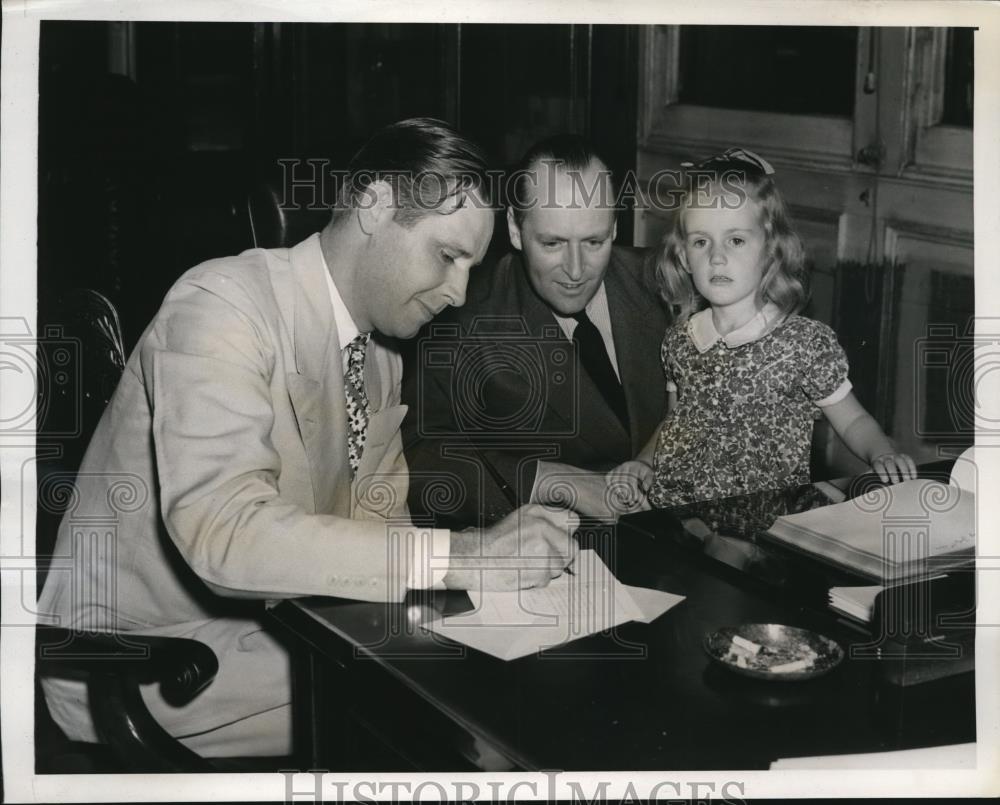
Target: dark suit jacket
[494,386]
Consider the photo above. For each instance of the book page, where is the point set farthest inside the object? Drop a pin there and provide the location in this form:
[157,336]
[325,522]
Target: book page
[963,474]
[890,531]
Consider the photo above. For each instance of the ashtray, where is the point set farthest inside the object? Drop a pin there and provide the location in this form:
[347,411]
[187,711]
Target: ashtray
[773,651]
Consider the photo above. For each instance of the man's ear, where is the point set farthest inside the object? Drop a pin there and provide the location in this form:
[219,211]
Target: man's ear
[513,229]
[375,206]
[614,230]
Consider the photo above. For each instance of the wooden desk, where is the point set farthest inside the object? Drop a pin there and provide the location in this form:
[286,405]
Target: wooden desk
[643,697]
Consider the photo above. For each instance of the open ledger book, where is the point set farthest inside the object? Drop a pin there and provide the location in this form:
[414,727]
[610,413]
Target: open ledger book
[913,529]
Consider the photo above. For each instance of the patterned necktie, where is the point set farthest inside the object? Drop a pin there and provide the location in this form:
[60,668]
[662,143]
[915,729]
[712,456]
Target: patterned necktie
[596,363]
[357,399]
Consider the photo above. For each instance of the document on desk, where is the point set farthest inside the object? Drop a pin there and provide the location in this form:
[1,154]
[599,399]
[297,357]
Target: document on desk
[859,602]
[509,625]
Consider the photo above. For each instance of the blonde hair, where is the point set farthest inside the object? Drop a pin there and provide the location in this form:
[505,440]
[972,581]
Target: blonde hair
[784,282]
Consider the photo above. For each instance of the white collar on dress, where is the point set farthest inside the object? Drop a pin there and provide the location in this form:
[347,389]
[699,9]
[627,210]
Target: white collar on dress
[702,330]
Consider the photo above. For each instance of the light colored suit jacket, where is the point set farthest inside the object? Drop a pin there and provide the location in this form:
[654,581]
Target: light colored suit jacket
[219,470]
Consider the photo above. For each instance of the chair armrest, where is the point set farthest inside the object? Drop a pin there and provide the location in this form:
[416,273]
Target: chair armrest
[183,667]
[114,665]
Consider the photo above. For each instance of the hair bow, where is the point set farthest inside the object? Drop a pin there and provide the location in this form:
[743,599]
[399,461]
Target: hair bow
[735,155]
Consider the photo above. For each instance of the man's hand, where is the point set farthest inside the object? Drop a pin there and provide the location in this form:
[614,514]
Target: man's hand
[528,548]
[588,493]
[628,484]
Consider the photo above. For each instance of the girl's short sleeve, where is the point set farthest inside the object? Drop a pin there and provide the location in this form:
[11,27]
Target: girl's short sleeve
[824,379]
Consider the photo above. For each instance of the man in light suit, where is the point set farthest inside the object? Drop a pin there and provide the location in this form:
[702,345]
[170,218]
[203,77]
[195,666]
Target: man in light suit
[550,374]
[252,448]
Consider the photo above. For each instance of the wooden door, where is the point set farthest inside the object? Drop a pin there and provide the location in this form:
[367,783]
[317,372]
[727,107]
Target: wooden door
[870,133]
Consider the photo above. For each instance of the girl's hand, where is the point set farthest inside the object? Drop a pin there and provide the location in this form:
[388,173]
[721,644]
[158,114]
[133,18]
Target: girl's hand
[868,441]
[894,467]
[628,484]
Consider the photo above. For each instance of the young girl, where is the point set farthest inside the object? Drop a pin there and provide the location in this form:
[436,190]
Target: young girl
[746,376]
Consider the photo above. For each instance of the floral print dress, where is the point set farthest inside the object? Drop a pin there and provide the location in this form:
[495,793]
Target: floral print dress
[746,404]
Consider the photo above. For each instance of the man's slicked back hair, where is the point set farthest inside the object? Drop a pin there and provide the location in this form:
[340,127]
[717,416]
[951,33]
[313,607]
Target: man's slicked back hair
[425,161]
[565,151]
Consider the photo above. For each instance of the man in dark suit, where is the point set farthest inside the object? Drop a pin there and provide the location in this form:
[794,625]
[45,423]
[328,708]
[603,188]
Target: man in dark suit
[550,374]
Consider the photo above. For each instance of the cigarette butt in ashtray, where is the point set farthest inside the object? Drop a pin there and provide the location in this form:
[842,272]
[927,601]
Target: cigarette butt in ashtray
[746,645]
[784,668]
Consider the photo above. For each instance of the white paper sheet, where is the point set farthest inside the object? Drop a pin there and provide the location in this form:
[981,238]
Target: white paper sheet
[509,625]
[963,473]
[856,601]
[860,601]
[653,603]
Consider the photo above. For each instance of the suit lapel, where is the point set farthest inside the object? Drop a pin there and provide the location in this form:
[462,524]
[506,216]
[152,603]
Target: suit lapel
[636,321]
[316,390]
[580,407]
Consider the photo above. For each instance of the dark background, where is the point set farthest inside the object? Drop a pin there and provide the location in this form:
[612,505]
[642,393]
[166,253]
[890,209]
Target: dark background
[144,172]
[153,136]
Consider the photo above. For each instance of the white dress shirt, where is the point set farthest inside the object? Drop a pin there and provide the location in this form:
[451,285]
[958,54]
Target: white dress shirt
[598,313]
[431,547]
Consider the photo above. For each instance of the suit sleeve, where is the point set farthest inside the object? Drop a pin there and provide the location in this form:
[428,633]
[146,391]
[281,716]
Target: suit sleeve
[456,478]
[208,372]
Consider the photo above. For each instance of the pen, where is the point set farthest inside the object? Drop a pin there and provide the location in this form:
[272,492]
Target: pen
[505,489]
[497,478]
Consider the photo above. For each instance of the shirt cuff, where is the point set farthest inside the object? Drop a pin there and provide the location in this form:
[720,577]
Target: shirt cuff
[842,391]
[430,558]
[533,498]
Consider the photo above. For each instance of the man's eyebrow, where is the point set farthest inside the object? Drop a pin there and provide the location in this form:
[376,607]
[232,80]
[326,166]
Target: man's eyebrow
[456,249]
[602,235]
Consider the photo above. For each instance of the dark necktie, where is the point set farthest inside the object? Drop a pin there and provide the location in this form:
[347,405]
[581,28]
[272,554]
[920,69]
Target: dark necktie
[357,399]
[596,363]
